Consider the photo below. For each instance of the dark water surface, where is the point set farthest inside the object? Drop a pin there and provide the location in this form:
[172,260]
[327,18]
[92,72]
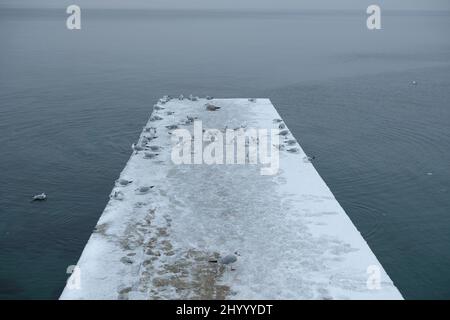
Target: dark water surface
[72,102]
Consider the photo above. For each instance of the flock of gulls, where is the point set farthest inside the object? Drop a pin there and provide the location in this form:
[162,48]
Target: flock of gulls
[152,151]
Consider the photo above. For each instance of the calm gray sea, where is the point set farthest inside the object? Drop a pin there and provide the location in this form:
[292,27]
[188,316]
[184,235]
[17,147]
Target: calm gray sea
[72,102]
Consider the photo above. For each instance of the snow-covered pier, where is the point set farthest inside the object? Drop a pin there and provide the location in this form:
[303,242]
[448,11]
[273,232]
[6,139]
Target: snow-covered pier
[168,225]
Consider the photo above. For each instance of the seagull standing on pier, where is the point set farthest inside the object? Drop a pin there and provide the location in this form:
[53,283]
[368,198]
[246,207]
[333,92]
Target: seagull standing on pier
[136,148]
[227,260]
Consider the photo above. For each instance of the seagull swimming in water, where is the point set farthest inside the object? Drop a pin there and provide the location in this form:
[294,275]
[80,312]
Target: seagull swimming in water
[40,197]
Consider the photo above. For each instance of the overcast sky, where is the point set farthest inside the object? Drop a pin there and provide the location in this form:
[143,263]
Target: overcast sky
[238,4]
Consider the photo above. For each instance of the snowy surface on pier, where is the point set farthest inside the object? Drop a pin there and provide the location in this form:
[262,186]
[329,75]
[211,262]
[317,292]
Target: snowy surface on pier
[294,239]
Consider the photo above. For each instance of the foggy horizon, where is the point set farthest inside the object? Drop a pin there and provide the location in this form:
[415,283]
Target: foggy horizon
[233,4]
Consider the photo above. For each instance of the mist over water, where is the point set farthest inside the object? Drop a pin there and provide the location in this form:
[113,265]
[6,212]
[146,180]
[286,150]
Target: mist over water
[72,103]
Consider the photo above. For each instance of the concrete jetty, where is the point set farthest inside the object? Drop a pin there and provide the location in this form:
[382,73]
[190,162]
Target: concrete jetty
[166,222]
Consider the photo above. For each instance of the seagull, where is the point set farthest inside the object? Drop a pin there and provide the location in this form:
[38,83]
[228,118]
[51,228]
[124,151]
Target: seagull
[227,260]
[155,118]
[190,119]
[414,82]
[149,155]
[172,127]
[295,150]
[118,195]
[143,190]
[124,182]
[152,132]
[150,129]
[40,197]
[291,142]
[211,107]
[155,148]
[136,148]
